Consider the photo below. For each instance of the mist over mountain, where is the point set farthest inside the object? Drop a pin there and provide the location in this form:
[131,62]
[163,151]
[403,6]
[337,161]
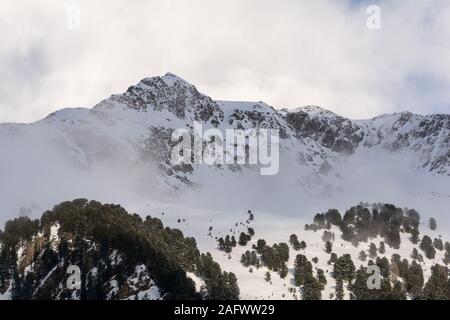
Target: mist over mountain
[119,150]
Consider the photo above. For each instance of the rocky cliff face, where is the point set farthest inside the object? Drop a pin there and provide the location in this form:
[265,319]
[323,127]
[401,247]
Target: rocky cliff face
[426,136]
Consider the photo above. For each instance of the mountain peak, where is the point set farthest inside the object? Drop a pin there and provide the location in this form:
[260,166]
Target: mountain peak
[313,111]
[169,79]
[166,93]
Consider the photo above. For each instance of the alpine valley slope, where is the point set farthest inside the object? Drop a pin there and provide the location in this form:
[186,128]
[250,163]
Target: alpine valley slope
[119,152]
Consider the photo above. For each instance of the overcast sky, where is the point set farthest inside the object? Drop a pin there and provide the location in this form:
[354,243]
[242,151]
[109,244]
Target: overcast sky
[286,53]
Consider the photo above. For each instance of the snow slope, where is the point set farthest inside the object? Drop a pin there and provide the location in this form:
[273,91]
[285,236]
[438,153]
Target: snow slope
[120,150]
[197,221]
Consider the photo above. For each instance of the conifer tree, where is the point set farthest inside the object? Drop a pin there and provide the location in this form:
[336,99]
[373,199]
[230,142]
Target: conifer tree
[437,287]
[283,272]
[437,243]
[432,224]
[328,247]
[339,288]
[267,276]
[414,280]
[372,250]
[344,268]
[362,256]
[382,248]
[427,246]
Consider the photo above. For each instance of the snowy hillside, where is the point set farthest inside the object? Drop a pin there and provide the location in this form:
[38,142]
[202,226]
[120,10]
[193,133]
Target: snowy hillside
[90,251]
[162,264]
[120,150]
[208,225]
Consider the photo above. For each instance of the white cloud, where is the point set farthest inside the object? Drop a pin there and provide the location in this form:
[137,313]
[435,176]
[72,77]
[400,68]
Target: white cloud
[287,53]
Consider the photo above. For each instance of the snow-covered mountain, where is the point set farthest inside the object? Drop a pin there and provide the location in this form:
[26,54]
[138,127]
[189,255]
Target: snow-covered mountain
[122,146]
[119,152]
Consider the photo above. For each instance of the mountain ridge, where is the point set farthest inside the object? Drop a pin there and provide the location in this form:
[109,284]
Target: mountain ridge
[130,133]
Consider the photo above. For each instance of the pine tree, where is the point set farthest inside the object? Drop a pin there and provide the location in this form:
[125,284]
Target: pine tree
[293,239]
[437,243]
[302,245]
[359,289]
[302,268]
[321,278]
[328,247]
[312,289]
[254,261]
[333,217]
[447,253]
[260,245]
[362,256]
[244,239]
[415,235]
[246,259]
[382,248]
[427,246]
[339,288]
[327,236]
[282,250]
[432,224]
[296,245]
[333,258]
[437,286]
[233,241]
[392,236]
[283,272]
[348,232]
[344,268]
[414,280]
[227,244]
[372,251]
[398,292]
[384,266]
[319,220]
[231,288]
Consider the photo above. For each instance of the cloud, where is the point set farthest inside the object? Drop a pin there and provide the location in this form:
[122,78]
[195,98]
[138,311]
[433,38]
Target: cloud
[287,53]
